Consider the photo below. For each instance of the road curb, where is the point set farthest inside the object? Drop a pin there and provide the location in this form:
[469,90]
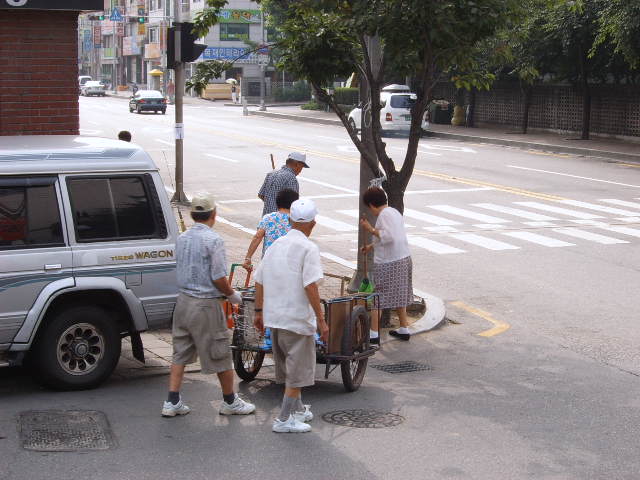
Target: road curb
[588,152]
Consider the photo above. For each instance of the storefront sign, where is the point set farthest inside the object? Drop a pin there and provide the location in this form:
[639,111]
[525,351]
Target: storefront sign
[239,16]
[130,46]
[76,5]
[152,50]
[229,54]
[97,36]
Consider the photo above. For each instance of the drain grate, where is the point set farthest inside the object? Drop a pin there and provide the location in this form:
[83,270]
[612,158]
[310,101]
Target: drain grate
[402,367]
[65,431]
[363,418]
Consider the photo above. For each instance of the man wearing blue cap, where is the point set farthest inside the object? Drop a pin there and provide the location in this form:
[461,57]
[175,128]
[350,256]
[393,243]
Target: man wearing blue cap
[280,179]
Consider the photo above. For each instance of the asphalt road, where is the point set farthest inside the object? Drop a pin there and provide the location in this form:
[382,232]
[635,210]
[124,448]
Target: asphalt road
[539,253]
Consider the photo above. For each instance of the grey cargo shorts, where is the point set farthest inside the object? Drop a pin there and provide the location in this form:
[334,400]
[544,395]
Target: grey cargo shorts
[200,330]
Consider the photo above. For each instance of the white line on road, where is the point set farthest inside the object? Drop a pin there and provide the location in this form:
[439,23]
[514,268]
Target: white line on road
[598,208]
[461,212]
[561,211]
[340,261]
[540,224]
[484,242]
[328,185]
[574,176]
[425,217]
[622,203]
[171,144]
[432,246]
[623,230]
[594,237]
[232,160]
[629,219]
[335,224]
[538,239]
[333,139]
[355,214]
[514,211]
[448,148]
[404,150]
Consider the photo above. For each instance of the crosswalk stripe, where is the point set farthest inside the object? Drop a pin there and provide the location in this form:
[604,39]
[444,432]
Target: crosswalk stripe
[540,224]
[594,237]
[356,214]
[484,242]
[622,203]
[468,214]
[425,217]
[335,224]
[432,246]
[538,239]
[441,229]
[624,230]
[514,211]
[562,211]
[629,219]
[599,208]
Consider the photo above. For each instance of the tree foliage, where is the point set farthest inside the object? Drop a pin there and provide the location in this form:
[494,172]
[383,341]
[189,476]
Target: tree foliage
[424,39]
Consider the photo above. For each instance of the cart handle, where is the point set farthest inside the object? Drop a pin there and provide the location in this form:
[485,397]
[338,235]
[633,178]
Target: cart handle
[233,269]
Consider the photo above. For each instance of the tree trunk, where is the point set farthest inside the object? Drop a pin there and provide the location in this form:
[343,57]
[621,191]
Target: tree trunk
[395,194]
[472,108]
[527,103]
[586,109]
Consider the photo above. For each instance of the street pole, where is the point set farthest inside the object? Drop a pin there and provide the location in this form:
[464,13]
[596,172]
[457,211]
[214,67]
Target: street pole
[366,175]
[179,195]
[262,65]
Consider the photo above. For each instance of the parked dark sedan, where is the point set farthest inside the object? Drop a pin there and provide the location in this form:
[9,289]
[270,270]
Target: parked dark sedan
[144,100]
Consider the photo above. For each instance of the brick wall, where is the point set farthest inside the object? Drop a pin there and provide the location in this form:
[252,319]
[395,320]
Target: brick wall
[38,73]
[615,110]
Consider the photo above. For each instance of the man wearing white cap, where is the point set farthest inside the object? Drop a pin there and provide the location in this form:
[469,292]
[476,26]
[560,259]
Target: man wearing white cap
[287,301]
[199,325]
[280,179]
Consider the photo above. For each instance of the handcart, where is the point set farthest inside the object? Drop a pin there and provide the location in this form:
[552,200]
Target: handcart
[348,347]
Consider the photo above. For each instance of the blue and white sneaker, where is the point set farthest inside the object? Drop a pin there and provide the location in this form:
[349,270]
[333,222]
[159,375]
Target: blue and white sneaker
[171,410]
[306,416]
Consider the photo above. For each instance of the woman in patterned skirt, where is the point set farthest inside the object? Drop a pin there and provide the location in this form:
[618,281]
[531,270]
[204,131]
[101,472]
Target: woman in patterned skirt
[392,267]
[272,226]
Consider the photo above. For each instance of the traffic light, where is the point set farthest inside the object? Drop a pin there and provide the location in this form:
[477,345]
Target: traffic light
[97,17]
[189,49]
[141,19]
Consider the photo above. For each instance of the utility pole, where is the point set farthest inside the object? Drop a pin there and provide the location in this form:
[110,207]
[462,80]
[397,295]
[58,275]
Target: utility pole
[262,64]
[179,195]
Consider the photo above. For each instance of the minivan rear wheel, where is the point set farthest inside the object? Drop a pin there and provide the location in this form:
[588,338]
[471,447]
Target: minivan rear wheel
[78,349]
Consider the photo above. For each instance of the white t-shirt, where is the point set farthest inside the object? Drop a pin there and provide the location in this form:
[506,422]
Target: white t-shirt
[392,244]
[290,264]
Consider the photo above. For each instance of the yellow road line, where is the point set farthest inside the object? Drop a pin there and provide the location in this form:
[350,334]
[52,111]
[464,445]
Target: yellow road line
[548,154]
[633,165]
[423,173]
[499,326]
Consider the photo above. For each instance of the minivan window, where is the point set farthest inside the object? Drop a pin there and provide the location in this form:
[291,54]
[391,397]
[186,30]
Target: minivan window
[113,208]
[402,101]
[29,214]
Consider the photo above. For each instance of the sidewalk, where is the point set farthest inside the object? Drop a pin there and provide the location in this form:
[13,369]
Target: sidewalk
[157,344]
[499,135]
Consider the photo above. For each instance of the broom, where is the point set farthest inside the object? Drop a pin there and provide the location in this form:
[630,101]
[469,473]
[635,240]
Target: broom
[365,285]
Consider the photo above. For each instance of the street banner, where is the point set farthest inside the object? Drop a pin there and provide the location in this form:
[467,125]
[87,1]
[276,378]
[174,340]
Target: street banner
[120,29]
[239,16]
[97,36]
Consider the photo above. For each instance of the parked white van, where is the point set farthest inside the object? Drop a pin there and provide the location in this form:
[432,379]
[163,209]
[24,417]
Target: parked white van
[87,255]
[395,115]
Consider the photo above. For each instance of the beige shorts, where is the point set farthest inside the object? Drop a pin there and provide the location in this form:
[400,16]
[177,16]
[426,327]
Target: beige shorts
[295,358]
[200,330]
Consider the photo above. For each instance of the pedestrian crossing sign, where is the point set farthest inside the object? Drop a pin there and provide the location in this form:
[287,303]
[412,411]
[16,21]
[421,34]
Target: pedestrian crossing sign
[116,16]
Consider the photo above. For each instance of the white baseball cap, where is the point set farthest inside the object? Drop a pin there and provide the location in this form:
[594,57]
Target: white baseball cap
[303,211]
[203,202]
[299,157]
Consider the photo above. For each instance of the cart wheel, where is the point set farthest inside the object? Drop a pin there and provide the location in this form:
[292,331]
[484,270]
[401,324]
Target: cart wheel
[247,363]
[355,339]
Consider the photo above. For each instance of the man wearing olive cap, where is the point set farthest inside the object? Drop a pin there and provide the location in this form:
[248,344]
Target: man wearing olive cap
[280,179]
[199,325]
[287,301]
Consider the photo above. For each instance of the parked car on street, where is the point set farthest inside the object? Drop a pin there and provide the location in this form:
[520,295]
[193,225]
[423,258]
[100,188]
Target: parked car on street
[148,100]
[82,79]
[395,114]
[91,88]
[87,242]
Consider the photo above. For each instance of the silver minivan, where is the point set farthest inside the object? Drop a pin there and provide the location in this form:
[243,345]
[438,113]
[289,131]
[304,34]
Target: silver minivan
[87,255]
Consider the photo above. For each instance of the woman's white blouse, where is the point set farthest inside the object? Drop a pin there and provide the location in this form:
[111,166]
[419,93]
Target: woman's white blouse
[392,244]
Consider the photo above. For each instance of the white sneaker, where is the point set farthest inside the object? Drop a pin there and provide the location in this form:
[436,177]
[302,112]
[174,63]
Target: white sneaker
[305,416]
[291,425]
[238,407]
[171,410]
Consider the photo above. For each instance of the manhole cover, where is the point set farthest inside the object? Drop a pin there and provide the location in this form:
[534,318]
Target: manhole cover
[402,367]
[363,418]
[65,431]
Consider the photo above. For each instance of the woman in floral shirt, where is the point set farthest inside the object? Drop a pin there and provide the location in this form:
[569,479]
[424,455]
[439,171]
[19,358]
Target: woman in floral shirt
[273,225]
